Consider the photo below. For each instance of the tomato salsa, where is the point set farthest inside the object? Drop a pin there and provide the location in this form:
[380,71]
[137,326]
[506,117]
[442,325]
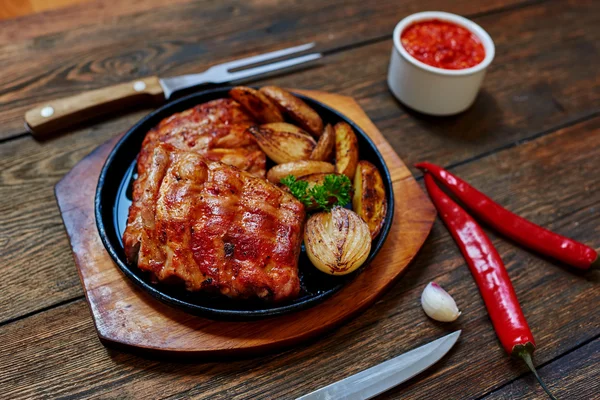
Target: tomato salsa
[443,44]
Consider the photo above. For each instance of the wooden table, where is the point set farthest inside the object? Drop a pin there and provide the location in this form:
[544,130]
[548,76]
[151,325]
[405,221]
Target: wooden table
[531,141]
[17,8]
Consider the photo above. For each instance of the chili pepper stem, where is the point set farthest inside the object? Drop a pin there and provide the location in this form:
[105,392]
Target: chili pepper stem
[526,356]
[595,264]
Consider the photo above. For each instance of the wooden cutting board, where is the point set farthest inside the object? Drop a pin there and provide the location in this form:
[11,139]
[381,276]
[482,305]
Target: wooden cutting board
[127,317]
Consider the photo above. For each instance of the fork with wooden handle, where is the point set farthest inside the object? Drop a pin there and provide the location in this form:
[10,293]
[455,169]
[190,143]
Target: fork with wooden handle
[54,115]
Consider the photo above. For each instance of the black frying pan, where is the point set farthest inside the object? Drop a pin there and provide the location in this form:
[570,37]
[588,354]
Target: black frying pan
[113,197]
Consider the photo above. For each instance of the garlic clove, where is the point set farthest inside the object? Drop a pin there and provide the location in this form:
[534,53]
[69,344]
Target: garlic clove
[438,304]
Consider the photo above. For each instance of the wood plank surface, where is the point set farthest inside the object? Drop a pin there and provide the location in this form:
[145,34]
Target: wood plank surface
[31,224]
[85,12]
[505,114]
[575,375]
[531,141]
[532,85]
[547,180]
[181,39]
[19,8]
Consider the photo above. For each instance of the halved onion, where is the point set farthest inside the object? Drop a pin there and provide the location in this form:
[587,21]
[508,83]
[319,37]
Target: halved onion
[337,242]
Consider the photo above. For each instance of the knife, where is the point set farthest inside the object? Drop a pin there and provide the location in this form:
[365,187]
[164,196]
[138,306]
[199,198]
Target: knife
[58,114]
[376,380]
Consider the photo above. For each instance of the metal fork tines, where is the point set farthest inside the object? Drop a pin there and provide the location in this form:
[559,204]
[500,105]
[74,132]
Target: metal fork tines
[221,73]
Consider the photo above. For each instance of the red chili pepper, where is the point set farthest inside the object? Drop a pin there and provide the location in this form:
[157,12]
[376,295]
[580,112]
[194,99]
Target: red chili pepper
[490,275]
[511,225]
[487,268]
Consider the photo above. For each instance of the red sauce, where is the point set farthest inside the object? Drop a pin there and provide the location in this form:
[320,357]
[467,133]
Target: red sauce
[443,44]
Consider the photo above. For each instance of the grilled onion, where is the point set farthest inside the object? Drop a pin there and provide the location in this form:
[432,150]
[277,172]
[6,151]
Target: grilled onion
[283,142]
[337,242]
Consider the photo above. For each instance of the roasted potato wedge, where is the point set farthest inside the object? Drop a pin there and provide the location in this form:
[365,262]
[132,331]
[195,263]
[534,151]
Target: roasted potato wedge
[297,110]
[299,169]
[369,200]
[283,142]
[257,104]
[346,149]
[324,149]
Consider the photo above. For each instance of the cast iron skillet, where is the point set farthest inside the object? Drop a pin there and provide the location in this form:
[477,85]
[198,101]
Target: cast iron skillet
[113,197]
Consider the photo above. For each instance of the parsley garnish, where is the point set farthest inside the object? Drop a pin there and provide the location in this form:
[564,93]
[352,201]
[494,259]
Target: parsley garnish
[335,191]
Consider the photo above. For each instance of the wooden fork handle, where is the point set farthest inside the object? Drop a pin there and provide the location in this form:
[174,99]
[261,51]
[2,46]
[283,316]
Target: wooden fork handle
[54,115]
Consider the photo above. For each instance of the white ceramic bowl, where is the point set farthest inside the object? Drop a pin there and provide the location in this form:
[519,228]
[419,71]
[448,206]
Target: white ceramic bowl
[433,90]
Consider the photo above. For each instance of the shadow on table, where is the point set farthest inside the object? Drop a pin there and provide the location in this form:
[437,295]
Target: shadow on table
[480,120]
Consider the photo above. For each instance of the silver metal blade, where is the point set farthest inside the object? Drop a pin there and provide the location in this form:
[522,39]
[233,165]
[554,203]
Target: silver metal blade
[220,73]
[376,380]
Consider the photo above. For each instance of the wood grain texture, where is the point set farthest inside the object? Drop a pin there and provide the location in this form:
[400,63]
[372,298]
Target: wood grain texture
[536,85]
[573,376]
[532,86]
[52,116]
[181,39]
[60,355]
[85,12]
[507,112]
[30,222]
[126,316]
[18,8]
[14,8]
[549,181]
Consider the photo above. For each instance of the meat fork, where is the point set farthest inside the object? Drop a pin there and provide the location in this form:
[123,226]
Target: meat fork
[58,114]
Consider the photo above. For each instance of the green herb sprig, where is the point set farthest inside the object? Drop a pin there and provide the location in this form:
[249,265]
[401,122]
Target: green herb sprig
[319,197]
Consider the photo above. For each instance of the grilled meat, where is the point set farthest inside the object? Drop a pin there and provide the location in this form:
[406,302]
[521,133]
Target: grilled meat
[217,129]
[210,226]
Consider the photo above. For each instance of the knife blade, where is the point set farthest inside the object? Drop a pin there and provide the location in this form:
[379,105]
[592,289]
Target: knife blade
[58,114]
[382,377]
